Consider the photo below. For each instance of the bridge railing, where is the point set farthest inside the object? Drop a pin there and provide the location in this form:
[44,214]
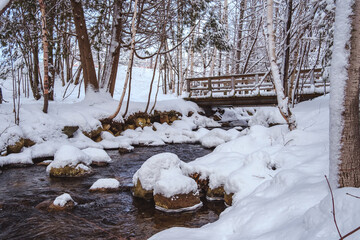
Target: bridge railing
[310,81]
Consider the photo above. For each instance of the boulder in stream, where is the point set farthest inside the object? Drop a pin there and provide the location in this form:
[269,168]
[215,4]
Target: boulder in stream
[62,202]
[175,192]
[70,161]
[105,185]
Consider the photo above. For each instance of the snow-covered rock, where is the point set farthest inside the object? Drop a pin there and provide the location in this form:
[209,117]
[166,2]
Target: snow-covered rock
[97,156]
[105,185]
[70,161]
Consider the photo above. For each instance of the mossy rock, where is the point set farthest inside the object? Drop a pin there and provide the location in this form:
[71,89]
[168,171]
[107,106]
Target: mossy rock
[28,142]
[228,198]
[106,126]
[203,183]
[130,126]
[216,193]
[178,201]
[140,122]
[190,113]
[69,171]
[94,133]
[16,147]
[139,191]
[70,130]
[68,206]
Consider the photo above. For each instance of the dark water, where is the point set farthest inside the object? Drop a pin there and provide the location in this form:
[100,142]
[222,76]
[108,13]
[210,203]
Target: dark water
[97,215]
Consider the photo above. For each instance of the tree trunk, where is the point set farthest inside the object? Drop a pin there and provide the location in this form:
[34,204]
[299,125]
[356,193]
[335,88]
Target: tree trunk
[46,55]
[130,63]
[84,47]
[286,59]
[275,72]
[112,61]
[239,37]
[344,101]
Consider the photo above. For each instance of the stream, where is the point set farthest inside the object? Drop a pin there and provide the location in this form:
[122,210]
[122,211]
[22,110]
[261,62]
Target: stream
[98,215]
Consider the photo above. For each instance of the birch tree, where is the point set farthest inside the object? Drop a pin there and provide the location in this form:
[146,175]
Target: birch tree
[46,55]
[275,71]
[130,63]
[344,98]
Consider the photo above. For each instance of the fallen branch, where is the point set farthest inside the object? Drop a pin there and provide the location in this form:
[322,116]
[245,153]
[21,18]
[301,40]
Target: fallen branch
[333,208]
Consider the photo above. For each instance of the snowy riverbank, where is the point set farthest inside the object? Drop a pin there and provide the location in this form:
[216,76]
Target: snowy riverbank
[278,180]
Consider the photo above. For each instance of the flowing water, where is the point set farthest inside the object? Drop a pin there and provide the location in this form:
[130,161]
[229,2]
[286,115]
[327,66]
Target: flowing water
[97,215]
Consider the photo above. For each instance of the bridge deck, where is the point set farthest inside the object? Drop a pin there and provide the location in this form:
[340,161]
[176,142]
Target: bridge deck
[253,89]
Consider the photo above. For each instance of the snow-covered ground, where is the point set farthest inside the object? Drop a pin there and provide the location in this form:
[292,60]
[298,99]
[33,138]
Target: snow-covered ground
[277,176]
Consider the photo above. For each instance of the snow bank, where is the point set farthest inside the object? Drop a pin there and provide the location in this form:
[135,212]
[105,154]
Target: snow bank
[279,184]
[105,183]
[19,158]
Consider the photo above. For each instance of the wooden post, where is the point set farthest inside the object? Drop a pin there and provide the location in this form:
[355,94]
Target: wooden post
[188,85]
[209,86]
[256,83]
[233,85]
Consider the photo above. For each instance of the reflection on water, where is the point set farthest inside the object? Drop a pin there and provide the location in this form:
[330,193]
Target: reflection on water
[97,215]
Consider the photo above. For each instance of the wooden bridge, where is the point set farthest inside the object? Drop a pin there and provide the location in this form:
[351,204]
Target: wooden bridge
[252,89]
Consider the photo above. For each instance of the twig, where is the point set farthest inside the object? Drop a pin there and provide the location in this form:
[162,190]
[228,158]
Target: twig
[333,207]
[352,195]
[353,231]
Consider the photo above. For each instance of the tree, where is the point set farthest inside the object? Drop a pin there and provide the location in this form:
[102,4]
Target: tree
[46,55]
[86,58]
[275,72]
[344,98]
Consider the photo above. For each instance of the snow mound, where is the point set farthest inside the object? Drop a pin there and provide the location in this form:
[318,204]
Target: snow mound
[217,136]
[172,182]
[105,183]
[18,158]
[62,200]
[97,155]
[150,171]
[68,155]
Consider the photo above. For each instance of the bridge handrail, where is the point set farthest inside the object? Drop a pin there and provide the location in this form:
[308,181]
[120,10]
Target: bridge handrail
[239,82]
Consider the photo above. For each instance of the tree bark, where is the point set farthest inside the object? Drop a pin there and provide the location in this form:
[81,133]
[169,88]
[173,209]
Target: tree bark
[84,47]
[112,61]
[349,154]
[46,55]
[239,37]
[286,59]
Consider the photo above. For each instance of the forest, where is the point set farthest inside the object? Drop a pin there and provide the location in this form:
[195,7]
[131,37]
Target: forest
[188,119]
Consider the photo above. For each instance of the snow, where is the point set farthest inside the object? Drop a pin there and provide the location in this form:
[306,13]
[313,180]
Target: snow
[151,170]
[172,181]
[20,158]
[338,78]
[105,183]
[97,155]
[3,3]
[62,200]
[278,180]
[69,155]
